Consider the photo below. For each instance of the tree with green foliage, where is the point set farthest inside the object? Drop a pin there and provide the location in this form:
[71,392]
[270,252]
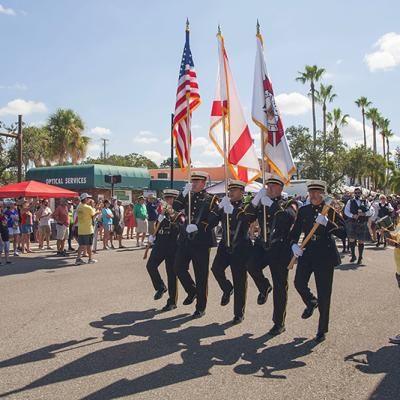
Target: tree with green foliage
[311,74]
[363,103]
[65,129]
[167,163]
[373,115]
[129,160]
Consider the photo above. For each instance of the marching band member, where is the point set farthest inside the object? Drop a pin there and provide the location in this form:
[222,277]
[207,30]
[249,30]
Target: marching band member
[275,251]
[164,248]
[236,255]
[358,210]
[195,240]
[385,209]
[320,255]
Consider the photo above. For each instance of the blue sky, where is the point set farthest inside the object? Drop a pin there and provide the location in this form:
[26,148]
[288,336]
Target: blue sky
[116,63]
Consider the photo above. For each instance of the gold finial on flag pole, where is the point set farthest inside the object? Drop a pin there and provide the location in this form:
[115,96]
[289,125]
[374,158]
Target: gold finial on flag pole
[219,29]
[258,27]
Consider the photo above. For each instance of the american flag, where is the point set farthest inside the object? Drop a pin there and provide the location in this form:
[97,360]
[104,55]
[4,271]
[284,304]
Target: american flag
[188,88]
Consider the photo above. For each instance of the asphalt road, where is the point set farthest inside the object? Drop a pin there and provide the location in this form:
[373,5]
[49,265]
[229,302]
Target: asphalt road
[95,332]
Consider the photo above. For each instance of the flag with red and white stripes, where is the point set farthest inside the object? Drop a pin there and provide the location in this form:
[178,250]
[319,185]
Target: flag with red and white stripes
[187,97]
[227,113]
[266,116]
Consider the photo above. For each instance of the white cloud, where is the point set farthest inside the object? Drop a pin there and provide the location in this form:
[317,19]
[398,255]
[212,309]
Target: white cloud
[353,132]
[94,150]
[24,107]
[16,86]
[387,56]
[154,156]
[293,103]
[7,11]
[100,131]
[145,137]
[200,142]
[327,76]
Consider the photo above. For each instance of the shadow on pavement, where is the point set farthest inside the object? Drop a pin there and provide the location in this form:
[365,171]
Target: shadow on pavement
[349,266]
[385,360]
[154,340]
[22,265]
[44,353]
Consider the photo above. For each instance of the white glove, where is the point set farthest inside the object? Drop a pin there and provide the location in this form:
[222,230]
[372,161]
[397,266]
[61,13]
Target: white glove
[191,228]
[151,239]
[297,251]
[266,201]
[256,201]
[187,189]
[225,200]
[322,220]
[228,208]
[161,218]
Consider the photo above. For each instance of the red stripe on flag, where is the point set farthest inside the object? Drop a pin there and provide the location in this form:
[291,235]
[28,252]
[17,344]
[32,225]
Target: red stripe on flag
[241,147]
[242,174]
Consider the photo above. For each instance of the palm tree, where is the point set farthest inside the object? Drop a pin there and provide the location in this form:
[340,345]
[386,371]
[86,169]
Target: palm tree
[322,96]
[336,119]
[389,134]
[373,115]
[383,124]
[363,103]
[65,128]
[311,74]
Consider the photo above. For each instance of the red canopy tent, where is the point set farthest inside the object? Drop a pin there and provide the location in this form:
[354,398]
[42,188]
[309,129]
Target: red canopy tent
[35,189]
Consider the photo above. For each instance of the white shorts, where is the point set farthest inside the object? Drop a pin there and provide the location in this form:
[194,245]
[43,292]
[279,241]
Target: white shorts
[62,232]
[141,226]
[14,231]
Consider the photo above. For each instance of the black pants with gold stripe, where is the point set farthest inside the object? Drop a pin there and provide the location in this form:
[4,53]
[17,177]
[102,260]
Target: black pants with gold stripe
[164,249]
[199,255]
[237,260]
[277,262]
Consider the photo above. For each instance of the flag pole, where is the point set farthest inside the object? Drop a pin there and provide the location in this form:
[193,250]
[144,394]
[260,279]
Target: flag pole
[262,155]
[189,142]
[224,133]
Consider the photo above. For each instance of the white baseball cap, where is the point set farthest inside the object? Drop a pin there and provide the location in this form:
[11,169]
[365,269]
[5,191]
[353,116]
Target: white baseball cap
[84,196]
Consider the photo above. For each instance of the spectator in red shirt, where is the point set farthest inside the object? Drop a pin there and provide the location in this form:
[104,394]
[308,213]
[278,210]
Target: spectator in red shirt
[61,216]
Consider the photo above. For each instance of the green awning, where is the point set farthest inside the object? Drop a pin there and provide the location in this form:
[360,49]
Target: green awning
[91,176]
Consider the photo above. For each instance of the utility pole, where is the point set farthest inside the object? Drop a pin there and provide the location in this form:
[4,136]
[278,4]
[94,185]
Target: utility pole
[18,137]
[19,141]
[104,148]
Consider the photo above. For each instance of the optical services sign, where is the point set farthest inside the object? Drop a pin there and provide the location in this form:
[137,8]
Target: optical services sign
[78,180]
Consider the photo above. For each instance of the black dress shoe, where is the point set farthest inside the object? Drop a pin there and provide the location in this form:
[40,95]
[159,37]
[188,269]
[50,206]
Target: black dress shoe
[226,297]
[320,337]
[169,307]
[359,261]
[237,320]
[262,297]
[198,314]
[160,293]
[309,310]
[276,330]
[353,258]
[189,299]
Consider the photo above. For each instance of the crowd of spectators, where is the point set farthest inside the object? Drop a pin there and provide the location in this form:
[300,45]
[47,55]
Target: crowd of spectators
[78,225]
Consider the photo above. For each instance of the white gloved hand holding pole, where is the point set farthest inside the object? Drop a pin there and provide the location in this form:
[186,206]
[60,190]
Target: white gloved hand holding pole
[257,198]
[191,228]
[187,189]
[266,201]
[322,220]
[151,239]
[297,251]
[161,218]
